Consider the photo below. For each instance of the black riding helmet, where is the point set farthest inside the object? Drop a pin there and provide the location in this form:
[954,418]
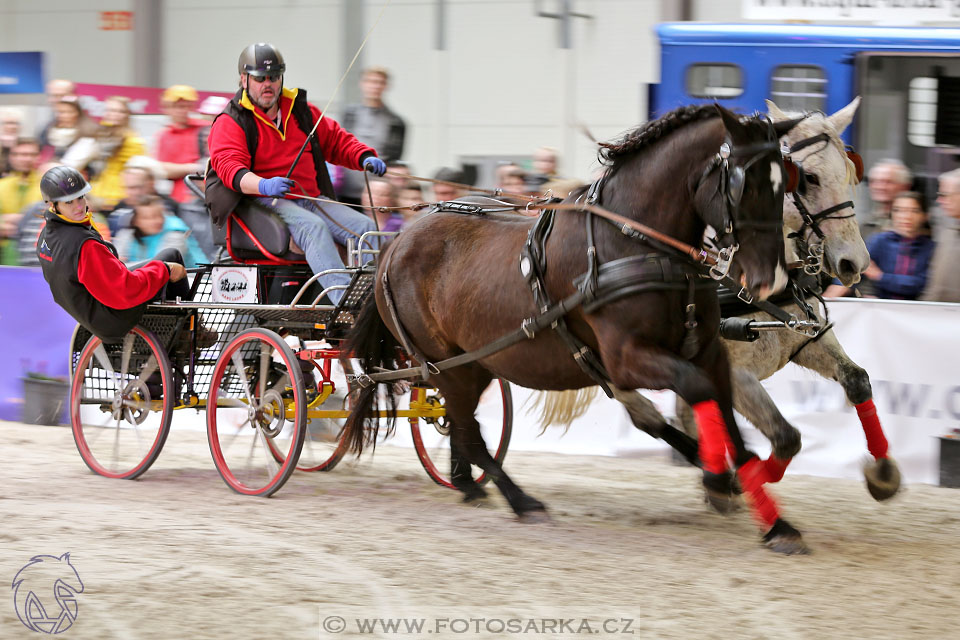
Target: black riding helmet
[260,60]
[63,184]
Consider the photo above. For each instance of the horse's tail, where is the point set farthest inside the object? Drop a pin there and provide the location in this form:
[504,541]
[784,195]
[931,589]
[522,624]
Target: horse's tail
[562,407]
[372,343]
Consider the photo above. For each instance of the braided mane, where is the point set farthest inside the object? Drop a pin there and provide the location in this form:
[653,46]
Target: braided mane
[647,134]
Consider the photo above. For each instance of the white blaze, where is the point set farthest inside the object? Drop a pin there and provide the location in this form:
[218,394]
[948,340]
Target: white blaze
[776,176]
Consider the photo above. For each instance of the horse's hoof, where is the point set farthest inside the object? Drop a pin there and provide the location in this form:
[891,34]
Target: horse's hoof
[787,444]
[883,478]
[722,503]
[783,538]
[533,517]
[721,491]
[473,493]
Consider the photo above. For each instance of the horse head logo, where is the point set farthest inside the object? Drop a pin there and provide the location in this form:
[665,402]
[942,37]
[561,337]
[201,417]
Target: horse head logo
[45,591]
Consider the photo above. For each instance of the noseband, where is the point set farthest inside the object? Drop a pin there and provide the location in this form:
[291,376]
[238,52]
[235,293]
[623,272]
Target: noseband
[797,186]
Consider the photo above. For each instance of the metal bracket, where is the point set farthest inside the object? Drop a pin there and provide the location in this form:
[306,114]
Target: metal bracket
[724,259]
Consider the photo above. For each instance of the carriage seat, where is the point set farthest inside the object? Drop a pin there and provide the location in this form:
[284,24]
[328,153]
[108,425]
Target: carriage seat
[255,233]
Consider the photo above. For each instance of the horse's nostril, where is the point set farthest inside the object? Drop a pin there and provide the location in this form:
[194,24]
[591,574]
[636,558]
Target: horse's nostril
[845,267]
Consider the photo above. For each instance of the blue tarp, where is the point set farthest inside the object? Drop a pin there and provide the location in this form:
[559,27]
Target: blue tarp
[34,335]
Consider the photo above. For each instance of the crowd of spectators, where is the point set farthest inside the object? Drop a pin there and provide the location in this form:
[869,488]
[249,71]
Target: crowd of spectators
[141,201]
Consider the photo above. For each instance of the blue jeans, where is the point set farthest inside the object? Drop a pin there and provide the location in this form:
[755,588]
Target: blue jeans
[318,236]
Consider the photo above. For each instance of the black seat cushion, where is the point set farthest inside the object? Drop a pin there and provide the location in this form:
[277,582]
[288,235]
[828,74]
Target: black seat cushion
[265,225]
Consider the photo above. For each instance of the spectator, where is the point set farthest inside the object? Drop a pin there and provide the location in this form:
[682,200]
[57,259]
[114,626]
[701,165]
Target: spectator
[17,190]
[384,195]
[511,178]
[444,192]
[70,135]
[374,124]
[117,142]
[409,196]
[9,134]
[885,180]
[544,169]
[900,257]
[178,144]
[943,284]
[57,90]
[139,179]
[399,174]
[152,230]
[209,109]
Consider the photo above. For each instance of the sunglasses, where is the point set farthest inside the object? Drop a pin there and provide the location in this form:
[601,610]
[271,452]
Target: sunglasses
[271,78]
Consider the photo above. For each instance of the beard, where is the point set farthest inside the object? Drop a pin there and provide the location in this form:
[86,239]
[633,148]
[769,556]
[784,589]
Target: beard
[267,103]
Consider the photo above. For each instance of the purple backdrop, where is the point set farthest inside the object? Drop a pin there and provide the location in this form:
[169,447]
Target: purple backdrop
[34,335]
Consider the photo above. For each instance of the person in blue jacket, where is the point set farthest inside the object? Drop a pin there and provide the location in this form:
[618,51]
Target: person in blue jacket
[900,257]
[152,230]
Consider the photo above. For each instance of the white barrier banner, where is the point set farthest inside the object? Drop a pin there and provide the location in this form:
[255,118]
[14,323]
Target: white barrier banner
[899,12]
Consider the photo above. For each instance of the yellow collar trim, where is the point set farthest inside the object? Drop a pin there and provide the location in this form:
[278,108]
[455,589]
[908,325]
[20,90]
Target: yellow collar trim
[88,219]
[260,115]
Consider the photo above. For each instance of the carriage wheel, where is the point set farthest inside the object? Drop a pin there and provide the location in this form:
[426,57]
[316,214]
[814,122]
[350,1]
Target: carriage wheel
[323,446]
[431,436]
[257,409]
[121,403]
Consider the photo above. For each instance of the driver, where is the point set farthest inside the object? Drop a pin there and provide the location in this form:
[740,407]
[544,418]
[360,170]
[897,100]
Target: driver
[85,276]
[255,141]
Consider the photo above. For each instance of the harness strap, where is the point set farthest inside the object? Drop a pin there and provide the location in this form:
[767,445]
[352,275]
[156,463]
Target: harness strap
[527,331]
[425,367]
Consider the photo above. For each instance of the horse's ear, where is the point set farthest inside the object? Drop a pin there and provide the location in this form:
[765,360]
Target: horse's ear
[731,122]
[783,127]
[842,119]
[774,111]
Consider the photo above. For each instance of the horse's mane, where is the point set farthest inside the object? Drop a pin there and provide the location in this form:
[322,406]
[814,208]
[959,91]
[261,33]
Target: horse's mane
[648,133]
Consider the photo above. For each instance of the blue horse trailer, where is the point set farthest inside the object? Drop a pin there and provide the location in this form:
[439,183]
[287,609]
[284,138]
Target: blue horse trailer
[908,79]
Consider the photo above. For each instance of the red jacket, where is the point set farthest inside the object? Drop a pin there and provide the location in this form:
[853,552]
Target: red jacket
[276,151]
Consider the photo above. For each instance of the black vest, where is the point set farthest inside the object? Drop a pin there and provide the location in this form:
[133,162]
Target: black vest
[221,199]
[58,248]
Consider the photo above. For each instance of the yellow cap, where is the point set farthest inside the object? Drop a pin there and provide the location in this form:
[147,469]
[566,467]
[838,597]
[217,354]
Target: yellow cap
[180,92]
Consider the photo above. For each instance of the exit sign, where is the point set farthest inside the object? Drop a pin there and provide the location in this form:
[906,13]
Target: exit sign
[116,20]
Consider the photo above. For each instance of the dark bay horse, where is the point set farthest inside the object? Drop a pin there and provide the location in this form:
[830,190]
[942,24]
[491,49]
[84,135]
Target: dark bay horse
[454,283]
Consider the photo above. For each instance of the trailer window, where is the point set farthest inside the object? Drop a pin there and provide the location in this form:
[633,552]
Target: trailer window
[799,88]
[922,112]
[717,81]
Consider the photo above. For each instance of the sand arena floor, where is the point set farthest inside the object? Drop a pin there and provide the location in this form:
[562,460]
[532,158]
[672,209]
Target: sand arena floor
[176,554]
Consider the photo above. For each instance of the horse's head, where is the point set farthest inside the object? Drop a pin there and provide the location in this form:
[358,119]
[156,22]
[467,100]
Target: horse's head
[740,195]
[821,229]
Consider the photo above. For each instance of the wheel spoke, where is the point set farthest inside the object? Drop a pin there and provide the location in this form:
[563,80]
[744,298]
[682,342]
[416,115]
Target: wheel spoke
[125,356]
[244,381]
[104,361]
[264,367]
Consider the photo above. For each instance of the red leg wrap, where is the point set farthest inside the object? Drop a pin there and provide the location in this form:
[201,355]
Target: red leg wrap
[775,467]
[876,441]
[753,475]
[714,439]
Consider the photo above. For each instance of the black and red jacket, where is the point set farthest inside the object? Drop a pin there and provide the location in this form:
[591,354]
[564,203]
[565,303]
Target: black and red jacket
[88,280]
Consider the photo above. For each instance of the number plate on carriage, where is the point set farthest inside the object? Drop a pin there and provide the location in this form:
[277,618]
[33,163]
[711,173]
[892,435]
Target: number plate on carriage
[234,284]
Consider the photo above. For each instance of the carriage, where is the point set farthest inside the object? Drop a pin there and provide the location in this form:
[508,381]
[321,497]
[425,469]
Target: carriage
[274,385]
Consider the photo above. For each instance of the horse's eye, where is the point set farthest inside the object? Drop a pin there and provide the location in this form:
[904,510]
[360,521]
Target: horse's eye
[813,179]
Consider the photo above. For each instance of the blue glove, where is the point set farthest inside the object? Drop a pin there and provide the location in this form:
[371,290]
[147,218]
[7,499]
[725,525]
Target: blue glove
[375,165]
[275,187]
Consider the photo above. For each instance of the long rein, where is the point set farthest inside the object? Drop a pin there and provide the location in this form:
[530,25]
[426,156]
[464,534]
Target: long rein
[699,255]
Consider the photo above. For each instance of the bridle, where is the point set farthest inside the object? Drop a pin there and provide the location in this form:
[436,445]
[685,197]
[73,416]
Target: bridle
[730,187]
[811,253]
